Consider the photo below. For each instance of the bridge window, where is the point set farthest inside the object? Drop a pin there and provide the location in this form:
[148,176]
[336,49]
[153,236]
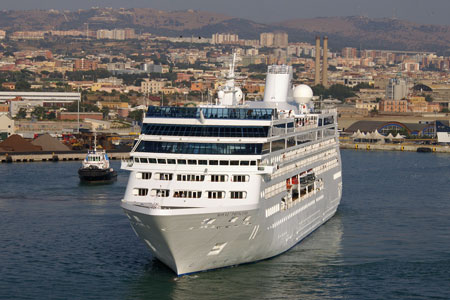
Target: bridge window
[200,148]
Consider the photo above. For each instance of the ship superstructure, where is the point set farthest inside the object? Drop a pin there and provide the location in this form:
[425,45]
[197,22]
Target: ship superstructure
[216,186]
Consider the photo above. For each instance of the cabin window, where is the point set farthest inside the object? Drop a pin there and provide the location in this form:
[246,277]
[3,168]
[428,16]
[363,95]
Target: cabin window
[245,163]
[136,159]
[240,178]
[238,195]
[140,192]
[234,163]
[213,162]
[192,162]
[216,194]
[171,161]
[159,193]
[143,175]
[202,162]
[161,161]
[152,160]
[218,178]
[181,161]
[190,177]
[187,194]
[164,176]
[144,160]
[224,162]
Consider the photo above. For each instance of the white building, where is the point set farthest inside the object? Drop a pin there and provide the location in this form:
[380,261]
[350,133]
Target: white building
[152,86]
[224,38]
[6,124]
[27,100]
[397,89]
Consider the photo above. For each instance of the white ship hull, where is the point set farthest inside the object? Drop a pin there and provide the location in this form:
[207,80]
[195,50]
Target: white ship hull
[187,241]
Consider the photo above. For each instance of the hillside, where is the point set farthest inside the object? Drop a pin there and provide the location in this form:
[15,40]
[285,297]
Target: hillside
[342,31]
[373,33]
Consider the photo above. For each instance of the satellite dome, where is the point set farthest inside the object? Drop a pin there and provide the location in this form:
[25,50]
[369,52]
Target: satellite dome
[303,93]
[238,95]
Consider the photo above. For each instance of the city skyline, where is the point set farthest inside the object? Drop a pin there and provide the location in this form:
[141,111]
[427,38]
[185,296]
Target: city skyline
[264,11]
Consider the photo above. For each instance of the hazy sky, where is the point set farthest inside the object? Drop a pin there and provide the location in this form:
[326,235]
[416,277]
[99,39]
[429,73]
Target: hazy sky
[421,11]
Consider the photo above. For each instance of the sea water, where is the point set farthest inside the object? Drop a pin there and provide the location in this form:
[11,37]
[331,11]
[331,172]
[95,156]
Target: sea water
[390,239]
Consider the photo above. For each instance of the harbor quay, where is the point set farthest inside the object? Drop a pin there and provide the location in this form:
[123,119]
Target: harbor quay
[407,147]
[54,156]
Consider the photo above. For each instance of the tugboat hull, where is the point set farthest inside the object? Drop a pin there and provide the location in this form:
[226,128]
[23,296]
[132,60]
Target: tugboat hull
[97,175]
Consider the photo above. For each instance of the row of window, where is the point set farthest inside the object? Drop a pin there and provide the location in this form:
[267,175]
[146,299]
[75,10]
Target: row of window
[211,131]
[203,162]
[189,194]
[193,177]
[210,113]
[199,148]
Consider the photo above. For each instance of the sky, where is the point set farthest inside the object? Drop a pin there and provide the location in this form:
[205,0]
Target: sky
[268,11]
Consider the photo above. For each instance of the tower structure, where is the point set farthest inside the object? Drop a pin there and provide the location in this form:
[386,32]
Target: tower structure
[317,77]
[325,62]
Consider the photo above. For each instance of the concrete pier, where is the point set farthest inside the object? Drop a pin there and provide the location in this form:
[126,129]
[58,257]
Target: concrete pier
[393,147]
[54,156]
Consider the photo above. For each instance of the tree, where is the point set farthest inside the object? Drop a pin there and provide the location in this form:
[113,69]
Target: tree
[39,112]
[340,91]
[136,115]
[105,112]
[428,98]
[22,114]
[23,85]
[51,115]
[362,85]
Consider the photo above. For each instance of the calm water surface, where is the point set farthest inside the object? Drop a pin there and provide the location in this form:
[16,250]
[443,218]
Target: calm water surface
[389,240]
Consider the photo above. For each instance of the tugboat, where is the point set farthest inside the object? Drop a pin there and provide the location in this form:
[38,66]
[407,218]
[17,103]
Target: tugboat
[96,168]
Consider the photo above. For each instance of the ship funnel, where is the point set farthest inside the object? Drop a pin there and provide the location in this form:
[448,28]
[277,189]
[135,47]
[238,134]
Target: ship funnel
[278,83]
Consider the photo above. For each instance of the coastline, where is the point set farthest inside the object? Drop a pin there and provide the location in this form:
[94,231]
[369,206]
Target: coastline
[405,147]
[9,157]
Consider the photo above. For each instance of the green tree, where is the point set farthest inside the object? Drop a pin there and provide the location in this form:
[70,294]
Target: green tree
[362,85]
[428,98]
[340,92]
[51,115]
[23,85]
[105,112]
[39,112]
[136,115]
[22,114]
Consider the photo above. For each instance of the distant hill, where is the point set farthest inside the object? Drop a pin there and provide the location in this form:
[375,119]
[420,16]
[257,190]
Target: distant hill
[342,31]
[373,33]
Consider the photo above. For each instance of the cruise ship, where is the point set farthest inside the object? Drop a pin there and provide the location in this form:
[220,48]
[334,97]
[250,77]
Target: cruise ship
[236,182]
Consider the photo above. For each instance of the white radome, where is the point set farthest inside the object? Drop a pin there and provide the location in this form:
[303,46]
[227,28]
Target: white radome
[220,94]
[303,93]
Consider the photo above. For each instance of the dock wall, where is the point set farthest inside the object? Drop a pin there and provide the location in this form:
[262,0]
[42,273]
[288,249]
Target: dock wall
[393,147]
[53,156]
